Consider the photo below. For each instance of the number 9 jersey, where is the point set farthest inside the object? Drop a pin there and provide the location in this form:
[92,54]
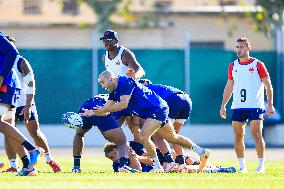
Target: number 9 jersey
[248,90]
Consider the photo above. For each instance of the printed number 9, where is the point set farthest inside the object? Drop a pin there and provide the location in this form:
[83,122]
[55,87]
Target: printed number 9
[243,95]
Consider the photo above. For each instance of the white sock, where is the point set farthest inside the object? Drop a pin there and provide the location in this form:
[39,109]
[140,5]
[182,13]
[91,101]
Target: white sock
[156,162]
[260,163]
[13,163]
[242,163]
[210,170]
[200,151]
[48,157]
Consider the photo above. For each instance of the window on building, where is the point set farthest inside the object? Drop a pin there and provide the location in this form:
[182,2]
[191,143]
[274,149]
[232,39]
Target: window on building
[228,2]
[162,4]
[32,6]
[70,7]
[211,44]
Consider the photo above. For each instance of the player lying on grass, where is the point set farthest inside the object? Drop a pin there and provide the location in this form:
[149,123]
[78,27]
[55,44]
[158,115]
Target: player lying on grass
[108,126]
[131,96]
[139,160]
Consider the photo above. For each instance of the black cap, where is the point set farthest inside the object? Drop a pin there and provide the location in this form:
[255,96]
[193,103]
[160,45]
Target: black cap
[145,81]
[110,34]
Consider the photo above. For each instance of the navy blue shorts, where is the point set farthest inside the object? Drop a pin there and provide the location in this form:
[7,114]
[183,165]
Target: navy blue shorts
[10,98]
[180,106]
[160,115]
[122,113]
[247,115]
[104,123]
[20,117]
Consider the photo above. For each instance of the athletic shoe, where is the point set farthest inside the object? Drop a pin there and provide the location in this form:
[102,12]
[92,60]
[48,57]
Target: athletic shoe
[1,165]
[126,169]
[171,167]
[34,158]
[26,172]
[227,170]
[157,170]
[11,169]
[182,168]
[260,170]
[243,170]
[55,167]
[76,169]
[203,159]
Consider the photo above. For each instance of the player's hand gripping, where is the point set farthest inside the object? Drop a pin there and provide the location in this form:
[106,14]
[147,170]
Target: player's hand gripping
[130,73]
[99,111]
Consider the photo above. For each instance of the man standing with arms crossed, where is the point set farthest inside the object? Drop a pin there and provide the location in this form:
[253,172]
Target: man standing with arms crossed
[247,78]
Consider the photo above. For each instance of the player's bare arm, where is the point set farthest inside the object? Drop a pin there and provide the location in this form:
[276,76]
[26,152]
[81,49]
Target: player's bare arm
[103,59]
[133,159]
[135,71]
[269,93]
[228,91]
[121,105]
[28,78]
[1,79]
[98,110]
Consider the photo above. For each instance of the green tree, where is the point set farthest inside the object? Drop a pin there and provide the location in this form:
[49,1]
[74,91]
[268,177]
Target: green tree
[104,9]
[270,18]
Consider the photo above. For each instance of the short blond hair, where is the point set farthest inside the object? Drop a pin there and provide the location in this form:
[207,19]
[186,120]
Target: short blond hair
[246,41]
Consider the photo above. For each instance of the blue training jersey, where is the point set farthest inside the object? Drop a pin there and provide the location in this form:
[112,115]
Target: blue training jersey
[98,100]
[8,55]
[163,90]
[143,101]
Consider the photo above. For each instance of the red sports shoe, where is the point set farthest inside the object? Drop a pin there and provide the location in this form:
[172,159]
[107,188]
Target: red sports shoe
[55,167]
[11,169]
[1,165]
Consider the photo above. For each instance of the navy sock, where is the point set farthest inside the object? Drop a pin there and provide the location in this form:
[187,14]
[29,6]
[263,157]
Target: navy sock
[28,145]
[168,156]
[77,160]
[180,159]
[123,161]
[25,161]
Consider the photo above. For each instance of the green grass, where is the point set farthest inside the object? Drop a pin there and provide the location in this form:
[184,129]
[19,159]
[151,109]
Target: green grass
[97,173]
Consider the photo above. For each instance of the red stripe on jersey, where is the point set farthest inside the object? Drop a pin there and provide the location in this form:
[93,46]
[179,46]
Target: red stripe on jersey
[3,88]
[247,62]
[262,71]
[230,71]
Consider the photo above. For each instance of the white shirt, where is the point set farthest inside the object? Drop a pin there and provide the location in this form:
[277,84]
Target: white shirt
[22,99]
[248,90]
[116,64]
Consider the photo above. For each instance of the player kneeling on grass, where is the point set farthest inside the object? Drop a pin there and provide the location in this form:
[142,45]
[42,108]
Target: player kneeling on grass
[139,160]
[108,126]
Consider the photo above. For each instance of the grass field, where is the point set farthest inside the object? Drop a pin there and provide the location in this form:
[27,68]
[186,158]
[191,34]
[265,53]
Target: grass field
[97,173]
